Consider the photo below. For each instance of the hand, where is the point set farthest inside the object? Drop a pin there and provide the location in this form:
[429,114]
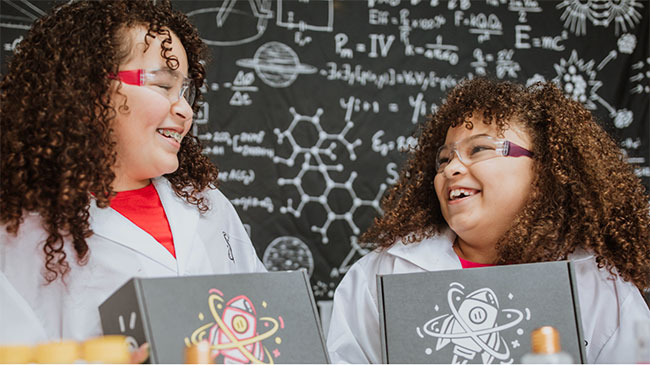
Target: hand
[140,355]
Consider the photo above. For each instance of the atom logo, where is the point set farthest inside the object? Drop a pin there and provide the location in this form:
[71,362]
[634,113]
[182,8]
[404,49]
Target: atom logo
[473,326]
[234,335]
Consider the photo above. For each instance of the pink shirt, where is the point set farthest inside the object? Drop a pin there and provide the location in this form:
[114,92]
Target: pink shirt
[469,264]
[144,208]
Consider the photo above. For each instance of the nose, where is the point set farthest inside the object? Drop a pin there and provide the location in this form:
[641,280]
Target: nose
[455,166]
[181,110]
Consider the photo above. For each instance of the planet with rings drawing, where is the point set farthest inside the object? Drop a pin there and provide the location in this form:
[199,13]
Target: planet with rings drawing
[276,64]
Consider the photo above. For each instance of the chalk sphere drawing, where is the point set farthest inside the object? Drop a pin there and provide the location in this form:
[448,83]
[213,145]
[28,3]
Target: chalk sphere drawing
[276,64]
[288,253]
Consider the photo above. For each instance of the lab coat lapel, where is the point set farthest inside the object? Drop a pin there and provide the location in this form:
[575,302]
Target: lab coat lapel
[113,226]
[431,254]
[183,220]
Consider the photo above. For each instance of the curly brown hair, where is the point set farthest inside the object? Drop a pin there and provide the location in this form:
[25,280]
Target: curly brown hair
[57,145]
[584,194]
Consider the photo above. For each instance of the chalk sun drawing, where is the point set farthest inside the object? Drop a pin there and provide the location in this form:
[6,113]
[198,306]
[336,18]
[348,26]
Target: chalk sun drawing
[578,79]
[601,13]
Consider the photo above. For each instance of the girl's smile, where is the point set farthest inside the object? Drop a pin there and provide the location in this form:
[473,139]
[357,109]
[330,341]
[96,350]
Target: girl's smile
[479,200]
[150,131]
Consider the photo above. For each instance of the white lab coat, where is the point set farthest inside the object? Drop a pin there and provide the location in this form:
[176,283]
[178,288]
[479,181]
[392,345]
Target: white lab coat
[211,243]
[609,307]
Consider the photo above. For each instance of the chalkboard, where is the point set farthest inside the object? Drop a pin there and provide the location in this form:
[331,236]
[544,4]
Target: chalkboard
[310,104]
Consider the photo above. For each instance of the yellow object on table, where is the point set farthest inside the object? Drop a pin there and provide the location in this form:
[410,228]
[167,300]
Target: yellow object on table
[16,354]
[63,352]
[111,349]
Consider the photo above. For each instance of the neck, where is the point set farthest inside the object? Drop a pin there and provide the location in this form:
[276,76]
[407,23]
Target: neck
[129,184]
[481,253]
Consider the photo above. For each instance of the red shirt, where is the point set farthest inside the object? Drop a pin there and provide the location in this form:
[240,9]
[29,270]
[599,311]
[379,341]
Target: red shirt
[144,208]
[469,264]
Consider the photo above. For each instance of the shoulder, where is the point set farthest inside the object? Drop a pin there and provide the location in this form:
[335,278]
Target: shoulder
[30,232]
[217,202]
[361,276]
[376,262]
[598,283]
[591,277]
[222,216]
[220,208]
[616,303]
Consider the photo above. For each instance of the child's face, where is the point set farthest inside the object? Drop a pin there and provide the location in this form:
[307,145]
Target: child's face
[498,187]
[143,152]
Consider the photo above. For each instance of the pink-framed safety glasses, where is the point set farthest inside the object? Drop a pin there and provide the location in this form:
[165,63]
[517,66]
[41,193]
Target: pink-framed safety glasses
[478,148]
[169,83]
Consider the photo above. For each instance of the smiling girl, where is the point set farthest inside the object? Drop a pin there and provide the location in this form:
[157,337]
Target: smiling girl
[101,177]
[504,174]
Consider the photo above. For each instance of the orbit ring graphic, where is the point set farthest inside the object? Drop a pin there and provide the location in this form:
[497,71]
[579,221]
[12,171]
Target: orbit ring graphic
[468,331]
[234,342]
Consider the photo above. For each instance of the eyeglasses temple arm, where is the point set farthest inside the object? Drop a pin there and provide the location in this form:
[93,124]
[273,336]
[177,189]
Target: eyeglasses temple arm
[131,77]
[514,150]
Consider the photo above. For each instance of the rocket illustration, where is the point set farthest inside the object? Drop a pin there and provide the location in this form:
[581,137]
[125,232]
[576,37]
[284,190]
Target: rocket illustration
[240,321]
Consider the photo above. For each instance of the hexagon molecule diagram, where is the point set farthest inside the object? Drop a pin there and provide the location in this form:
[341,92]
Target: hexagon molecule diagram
[313,162]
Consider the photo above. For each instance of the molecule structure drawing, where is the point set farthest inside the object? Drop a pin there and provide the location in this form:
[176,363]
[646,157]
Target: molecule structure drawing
[313,162]
[317,150]
[356,251]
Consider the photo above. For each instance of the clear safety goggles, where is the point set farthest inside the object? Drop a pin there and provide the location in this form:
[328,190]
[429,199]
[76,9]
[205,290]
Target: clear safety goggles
[478,148]
[169,83]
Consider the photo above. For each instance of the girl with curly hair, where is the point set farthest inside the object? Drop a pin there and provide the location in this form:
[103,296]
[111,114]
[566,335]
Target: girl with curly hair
[504,174]
[101,177]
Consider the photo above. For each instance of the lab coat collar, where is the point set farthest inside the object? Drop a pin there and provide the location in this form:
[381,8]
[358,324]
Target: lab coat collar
[580,254]
[183,219]
[431,254]
[437,252]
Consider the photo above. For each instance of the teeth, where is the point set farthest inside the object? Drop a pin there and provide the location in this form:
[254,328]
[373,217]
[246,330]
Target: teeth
[169,133]
[455,193]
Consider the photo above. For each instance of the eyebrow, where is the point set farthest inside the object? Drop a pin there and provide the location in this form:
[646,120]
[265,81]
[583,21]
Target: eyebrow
[172,71]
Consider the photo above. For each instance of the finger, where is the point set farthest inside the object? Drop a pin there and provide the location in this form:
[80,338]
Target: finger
[140,355]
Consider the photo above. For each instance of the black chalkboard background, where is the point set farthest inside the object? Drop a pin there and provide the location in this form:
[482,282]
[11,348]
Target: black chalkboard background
[309,103]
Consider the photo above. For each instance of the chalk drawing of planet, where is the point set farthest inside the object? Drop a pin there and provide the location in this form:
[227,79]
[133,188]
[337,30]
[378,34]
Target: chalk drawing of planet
[276,64]
[288,253]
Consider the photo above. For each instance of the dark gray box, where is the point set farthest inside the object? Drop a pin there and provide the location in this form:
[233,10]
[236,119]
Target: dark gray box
[482,315]
[259,317]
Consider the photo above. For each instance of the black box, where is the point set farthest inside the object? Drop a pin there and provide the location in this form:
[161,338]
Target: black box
[259,317]
[482,315]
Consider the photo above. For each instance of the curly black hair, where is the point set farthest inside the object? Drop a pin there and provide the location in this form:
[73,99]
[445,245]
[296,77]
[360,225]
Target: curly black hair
[57,145]
[584,194]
